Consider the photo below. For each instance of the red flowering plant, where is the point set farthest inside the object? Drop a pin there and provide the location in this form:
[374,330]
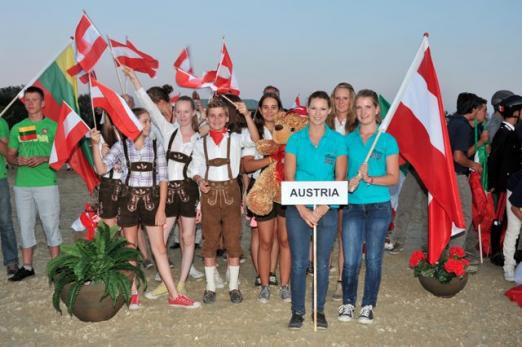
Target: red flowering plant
[450,265]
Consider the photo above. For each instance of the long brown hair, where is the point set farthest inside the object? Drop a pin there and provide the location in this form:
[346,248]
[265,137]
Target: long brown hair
[351,120]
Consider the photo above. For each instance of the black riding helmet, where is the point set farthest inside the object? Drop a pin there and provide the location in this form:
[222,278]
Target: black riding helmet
[510,105]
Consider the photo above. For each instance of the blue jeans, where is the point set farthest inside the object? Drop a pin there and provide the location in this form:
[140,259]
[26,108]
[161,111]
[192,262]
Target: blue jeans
[364,223]
[7,233]
[299,234]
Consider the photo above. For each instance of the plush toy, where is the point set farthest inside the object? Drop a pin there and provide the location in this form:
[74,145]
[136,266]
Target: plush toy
[267,187]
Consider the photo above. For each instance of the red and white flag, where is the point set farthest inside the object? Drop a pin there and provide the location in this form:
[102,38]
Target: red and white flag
[90,46]
[117,109]
[298,108]
[418,109]
[185,77]
[226,82]
[70,130]
[128,55]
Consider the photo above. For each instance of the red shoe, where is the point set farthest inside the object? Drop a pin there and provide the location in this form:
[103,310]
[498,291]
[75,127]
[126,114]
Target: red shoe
[183,302]
[134,302]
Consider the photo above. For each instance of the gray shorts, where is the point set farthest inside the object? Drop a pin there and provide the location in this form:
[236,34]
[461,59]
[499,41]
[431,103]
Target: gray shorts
[46,202]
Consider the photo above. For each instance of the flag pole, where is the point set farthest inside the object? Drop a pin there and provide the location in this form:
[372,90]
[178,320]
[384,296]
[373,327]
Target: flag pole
[314,237]
[92,106]
[228,99]
[395,104]
[115,65]
[31,82]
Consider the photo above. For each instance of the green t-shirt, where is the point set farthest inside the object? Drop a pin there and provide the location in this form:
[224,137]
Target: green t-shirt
[4,136]
[34,139]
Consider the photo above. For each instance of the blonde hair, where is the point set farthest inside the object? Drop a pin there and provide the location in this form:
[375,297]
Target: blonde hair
[350,117]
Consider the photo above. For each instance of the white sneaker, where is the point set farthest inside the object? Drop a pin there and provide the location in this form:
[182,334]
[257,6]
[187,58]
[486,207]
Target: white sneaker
[218,280]
[195,274]
[157,277]
[509,275]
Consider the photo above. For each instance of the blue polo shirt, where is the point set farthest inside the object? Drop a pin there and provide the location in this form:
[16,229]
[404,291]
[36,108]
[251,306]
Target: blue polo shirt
[357,151]
[316,163]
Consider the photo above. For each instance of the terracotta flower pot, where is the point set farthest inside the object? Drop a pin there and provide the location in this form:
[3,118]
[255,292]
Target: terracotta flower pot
[89,307]
[444,290]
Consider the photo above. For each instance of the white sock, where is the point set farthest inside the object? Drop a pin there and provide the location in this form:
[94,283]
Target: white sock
[28,267]
[209,275]
[234,276]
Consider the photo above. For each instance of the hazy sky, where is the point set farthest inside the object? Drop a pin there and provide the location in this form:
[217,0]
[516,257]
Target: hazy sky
[300,46]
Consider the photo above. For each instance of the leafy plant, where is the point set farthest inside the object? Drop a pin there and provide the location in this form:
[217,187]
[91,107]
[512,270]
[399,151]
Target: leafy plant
[107,258]
[450,265]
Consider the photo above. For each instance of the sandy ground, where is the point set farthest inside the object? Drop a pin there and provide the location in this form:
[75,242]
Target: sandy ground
[406,313]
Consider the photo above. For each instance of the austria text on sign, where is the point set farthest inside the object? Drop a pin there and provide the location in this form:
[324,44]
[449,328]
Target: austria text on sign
[314,193]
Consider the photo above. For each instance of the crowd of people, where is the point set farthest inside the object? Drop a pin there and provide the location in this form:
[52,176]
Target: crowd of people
[194,165]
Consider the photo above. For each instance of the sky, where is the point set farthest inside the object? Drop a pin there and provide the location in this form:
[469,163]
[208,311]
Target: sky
[299,46]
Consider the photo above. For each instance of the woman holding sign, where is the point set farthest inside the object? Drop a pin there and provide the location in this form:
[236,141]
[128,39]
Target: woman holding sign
[368,214]
[314,144]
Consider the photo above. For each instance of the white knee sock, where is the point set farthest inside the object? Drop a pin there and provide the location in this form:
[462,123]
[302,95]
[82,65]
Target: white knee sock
[234,276]
[209,275]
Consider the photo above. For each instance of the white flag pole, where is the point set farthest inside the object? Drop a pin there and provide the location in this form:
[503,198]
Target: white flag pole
[115,65]
[314,241]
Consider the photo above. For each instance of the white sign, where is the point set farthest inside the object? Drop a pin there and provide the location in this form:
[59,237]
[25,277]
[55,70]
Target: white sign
[314,192]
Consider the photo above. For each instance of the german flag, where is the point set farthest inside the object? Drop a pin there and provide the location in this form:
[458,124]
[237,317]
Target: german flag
[28,133]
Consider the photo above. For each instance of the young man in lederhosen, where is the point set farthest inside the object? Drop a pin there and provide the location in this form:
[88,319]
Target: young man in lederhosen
[215,168]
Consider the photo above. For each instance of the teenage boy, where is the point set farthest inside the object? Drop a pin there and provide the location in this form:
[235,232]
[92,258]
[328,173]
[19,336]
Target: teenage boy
[35,189]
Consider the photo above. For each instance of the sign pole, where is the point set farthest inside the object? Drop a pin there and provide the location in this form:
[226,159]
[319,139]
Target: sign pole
[314,241]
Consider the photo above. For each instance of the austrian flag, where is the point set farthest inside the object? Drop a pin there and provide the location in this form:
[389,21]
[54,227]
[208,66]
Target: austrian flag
[128,55]
[90,46]
[70,130]
[185,77]
[418,109]
[117,109]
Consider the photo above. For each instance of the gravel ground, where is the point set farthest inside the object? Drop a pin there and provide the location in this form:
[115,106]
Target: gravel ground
[406,313]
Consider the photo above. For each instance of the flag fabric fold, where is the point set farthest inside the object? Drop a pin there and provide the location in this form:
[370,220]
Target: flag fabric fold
[69,132]
[128,55]
[90,46]
[417,109]
[117,109]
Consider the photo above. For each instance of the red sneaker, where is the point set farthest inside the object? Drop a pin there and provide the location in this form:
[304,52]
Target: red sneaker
[183,302]
[134,302]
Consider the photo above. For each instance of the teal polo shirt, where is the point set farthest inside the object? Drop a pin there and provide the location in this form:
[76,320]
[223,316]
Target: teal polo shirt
[316,163]
[357,151]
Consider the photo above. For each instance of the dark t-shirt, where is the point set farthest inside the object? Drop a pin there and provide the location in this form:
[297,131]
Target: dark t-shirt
[461,136]
[515,186]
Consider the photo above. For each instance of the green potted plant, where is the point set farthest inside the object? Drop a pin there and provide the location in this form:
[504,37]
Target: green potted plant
[93,278]
[446,277]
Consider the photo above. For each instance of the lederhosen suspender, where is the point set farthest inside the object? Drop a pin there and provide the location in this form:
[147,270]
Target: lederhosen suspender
[217,161]
[178,156]
[141,166]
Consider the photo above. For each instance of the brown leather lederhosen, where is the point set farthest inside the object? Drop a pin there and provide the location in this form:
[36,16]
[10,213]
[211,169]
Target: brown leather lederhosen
[109,192]
[221,209]
[182,195]
[139,204]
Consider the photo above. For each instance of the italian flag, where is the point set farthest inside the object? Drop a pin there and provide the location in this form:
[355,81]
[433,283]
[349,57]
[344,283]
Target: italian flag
[58,87]
[71,129]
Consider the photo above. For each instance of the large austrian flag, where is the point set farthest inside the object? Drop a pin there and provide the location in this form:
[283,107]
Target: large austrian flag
[119,112]
[69,132]
[128,55]
[90,46]
[416,119]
